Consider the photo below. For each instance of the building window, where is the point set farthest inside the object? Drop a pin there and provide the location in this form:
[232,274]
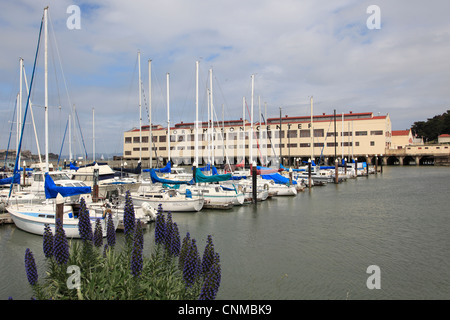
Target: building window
[162,148]
[292,145]
[180,138]
[305,145]
[277,134]
[144,139]
[128,153]
[135,139]
[172,138]
[347,134]
[292,133]
[318,132]
[361,133]
[128,140]
[372,143]
[162,139]
[318,145]
[331,144]
[305,134]
[376,133]
[331,134]
[357,144]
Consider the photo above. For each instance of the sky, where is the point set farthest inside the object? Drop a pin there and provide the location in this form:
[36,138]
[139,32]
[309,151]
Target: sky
[296,49]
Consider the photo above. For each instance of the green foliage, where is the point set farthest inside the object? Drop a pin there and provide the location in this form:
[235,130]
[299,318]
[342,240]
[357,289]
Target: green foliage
[108,273]
[432,128]
[108,277]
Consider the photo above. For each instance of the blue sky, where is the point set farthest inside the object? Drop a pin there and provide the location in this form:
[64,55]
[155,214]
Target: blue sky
[295,49]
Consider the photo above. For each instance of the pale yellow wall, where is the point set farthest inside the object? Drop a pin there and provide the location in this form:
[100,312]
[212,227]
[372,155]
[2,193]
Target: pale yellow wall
[377,139]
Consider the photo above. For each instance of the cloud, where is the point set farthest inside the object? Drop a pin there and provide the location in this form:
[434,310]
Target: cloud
[295,49]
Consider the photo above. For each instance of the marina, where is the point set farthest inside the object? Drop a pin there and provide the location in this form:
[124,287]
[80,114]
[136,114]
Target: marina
[316,245]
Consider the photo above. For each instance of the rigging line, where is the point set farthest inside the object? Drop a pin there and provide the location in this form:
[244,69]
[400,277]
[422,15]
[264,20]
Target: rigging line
[270,137]
[26,108]
[62,143]
[321,151]
[59,60]
[221,91]
[81,133]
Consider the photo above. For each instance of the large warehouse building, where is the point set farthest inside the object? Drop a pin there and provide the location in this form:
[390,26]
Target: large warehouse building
[324,137]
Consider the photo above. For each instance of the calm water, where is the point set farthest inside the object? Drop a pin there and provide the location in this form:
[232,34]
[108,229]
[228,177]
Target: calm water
[317,245]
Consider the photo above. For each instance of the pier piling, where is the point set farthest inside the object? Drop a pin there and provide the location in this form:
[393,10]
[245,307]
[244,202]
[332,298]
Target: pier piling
[254,193]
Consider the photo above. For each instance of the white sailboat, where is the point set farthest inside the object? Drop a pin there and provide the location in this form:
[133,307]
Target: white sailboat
[32,217]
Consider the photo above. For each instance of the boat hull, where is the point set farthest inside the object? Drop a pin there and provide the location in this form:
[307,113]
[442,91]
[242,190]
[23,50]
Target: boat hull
[182,205]
[33,220]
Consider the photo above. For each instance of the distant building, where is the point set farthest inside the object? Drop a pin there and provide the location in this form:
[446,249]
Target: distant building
[444,138]
[401,139]
[357,134]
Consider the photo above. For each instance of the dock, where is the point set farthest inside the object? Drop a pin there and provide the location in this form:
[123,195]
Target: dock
[5,218]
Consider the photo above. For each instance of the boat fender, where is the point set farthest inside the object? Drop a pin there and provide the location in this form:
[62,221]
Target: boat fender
[105,212]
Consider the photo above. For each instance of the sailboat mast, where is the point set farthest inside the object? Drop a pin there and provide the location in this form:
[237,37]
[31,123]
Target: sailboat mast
[212,116]
[196,112]
[251,120]
[150,135]
[70,139]
[140,107]
[19,109]
[342,130]
[312,131]
[168,118]
[32,115]
[46,86]
[243,132]
[93,134]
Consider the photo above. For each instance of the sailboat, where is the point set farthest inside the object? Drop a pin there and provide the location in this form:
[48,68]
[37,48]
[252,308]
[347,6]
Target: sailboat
[32,217]
[170,199]
[216,196]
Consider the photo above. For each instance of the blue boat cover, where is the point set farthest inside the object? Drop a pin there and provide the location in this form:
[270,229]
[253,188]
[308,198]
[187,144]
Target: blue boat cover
[73,167]
[14,179]
[207,168]
[200,177]
[52,190]
[277,178]
[156,179]
[166,169]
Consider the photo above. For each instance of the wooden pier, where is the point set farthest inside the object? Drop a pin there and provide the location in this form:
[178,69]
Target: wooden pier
[5,218]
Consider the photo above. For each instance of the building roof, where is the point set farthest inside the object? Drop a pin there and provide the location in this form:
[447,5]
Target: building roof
[445,135]
[400,133]
[297,119]
[326,117]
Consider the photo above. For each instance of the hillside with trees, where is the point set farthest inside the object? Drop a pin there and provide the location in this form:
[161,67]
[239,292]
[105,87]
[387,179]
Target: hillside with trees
[432,128]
